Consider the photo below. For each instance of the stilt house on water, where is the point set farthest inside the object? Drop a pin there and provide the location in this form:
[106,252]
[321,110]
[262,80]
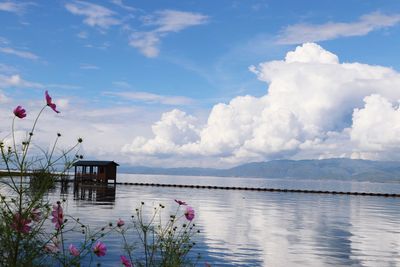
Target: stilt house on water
[95,171]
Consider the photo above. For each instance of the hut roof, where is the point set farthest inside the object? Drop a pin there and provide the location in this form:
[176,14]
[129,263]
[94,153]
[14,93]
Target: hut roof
[94,163]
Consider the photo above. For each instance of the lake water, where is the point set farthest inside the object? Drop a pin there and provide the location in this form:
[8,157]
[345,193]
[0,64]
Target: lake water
[250,228]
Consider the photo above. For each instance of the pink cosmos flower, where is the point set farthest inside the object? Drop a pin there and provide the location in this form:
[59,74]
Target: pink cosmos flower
[189,213]
[180,202]
[73,250]
[52,246]
[50,103]
[20,112]
[120,222]
[58,216]
[125,261]
[20,224]
[99,249]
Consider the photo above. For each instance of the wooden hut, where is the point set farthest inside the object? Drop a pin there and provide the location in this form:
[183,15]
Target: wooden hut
[95,171]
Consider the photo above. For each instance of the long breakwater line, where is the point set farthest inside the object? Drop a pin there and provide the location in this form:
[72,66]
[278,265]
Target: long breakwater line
[263,189]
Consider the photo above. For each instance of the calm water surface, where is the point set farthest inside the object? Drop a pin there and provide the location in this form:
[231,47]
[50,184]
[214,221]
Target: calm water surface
[246,228]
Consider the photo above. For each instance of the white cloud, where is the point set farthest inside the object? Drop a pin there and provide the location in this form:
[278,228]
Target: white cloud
[18,53]
[14,7]
[146,42]
[3,98]
[165,22]
[376,126]
[300,33]
[121,4]
[151,98]
[175,128]
[16,81]
[315,107]
[104,130]
[95,15]
[7,69]
[175,21]
[82,35]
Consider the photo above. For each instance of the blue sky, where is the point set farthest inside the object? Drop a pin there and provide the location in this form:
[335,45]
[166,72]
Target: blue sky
[147,78]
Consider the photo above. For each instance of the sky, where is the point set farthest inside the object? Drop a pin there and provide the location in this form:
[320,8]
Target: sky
[205,83]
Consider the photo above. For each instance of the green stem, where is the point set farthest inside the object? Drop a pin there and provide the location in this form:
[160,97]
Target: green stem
[128,250]
[63,154]
[13,137]
[52,151]
[25,152]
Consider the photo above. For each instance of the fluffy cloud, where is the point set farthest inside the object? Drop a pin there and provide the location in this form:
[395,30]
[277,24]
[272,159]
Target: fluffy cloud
[376,126]
[315,106]
[300,33]
[174,130]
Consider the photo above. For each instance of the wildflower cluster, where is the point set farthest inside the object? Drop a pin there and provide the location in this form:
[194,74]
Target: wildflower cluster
[34,232]
[23,210]
[163,243]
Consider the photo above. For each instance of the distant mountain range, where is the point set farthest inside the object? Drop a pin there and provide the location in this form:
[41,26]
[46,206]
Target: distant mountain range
[343,169]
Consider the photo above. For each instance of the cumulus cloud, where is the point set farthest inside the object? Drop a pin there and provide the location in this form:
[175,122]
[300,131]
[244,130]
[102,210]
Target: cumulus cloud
[174,130]
[376,126]
[95,15]
[165,22]
[300,33]
[315,106]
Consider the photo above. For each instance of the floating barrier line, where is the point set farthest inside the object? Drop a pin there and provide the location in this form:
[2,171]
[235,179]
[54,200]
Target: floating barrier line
[264,189]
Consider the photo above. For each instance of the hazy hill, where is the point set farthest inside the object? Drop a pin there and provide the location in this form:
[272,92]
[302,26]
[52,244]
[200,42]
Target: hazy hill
[344,169]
